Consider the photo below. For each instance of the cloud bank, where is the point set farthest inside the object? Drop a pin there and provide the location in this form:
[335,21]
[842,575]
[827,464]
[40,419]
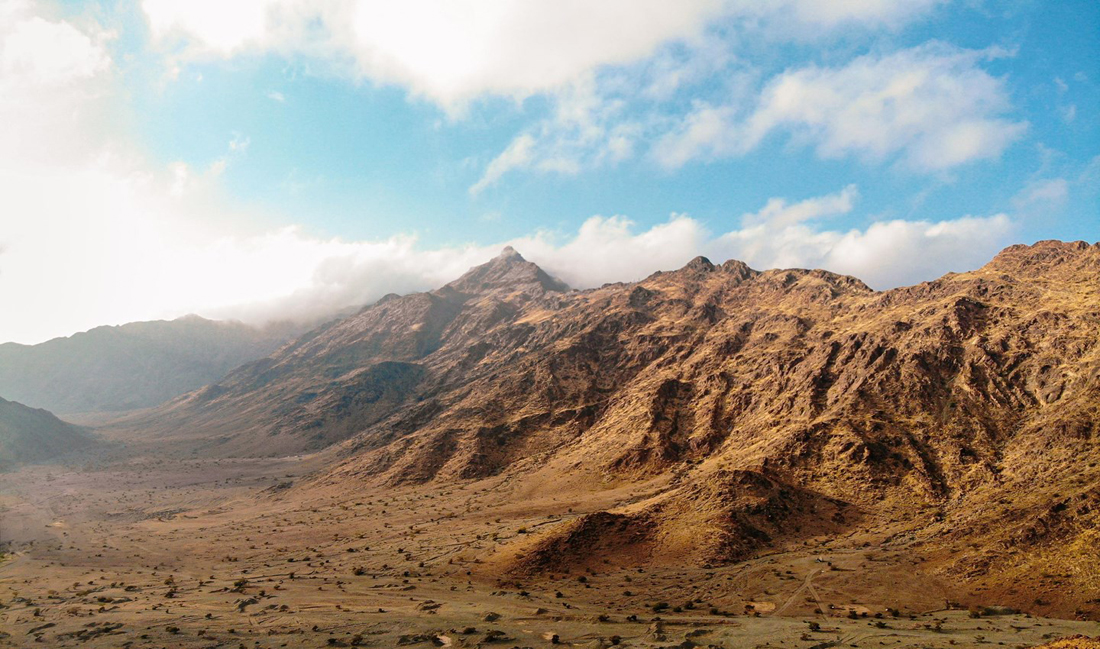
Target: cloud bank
[321,276]
[451,51]
[932,106]
[117,263]
[446,51]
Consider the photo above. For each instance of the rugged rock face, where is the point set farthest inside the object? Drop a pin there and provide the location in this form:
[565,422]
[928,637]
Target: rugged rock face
[779,406]
[728,517]
[33,436]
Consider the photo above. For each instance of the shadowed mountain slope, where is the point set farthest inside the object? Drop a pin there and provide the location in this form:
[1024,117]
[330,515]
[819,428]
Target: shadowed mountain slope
[135,365]
[34,436]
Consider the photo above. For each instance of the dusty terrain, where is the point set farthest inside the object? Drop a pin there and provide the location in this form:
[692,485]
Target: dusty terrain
[248,552]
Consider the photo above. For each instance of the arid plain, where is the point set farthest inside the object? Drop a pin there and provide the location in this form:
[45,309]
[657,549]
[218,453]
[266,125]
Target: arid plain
[220,553]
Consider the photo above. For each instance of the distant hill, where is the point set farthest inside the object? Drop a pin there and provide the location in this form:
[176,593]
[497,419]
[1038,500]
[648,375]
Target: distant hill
[131,366]
[33,436]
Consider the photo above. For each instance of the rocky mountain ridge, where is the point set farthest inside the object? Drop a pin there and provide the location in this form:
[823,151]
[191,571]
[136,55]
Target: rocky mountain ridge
[773,408]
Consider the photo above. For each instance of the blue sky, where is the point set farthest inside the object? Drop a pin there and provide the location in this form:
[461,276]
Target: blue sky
[267,158]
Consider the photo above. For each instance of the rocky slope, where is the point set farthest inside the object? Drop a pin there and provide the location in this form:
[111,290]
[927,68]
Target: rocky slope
[136,365]
[34,436]
[772,408]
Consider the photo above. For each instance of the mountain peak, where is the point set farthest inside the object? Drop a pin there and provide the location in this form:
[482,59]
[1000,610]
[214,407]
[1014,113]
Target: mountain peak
[507,272]
[700,263]
[509,254]
[1045,256]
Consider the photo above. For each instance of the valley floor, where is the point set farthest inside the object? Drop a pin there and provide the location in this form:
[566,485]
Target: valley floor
[236,553]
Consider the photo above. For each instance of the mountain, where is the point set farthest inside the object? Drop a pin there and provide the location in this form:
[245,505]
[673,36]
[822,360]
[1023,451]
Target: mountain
[135,365]
[34,436]
[762,409]
[335,380]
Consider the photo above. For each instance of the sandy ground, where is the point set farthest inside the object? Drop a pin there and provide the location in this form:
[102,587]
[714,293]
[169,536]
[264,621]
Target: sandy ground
[236,553]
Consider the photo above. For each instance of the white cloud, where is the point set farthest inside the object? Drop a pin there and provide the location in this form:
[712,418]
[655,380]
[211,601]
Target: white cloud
[222,28]
[585,130]
[1049,193]
[1069,113]
[184,179]
[931,105]
[606,249]
[448,51]
[809,17]
[452,51]
[516,156]
[706,132]
[778,213]
[886,254]
[239,143]
[37,52]
[53,75]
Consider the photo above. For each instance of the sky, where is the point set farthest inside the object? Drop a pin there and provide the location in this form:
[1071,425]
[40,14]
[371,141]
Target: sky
[288,159]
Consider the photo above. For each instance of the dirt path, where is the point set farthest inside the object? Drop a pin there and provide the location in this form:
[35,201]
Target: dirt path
[807,584]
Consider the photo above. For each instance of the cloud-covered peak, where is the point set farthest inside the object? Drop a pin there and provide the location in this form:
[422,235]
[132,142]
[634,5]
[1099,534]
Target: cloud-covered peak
[509,254]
